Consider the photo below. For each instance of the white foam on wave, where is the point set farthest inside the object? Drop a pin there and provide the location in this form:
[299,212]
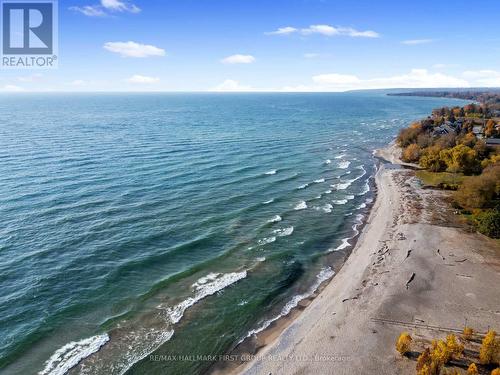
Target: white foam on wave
[271,172]
[344,164]
[283,232]
[301,206]
[341,185]
[320,180]
[269,201]
[325,274]
[261,259]
[302,186]
[328,161]
[204,287]
[345,243]
[349,197]
[339,156]
[339,201]
[265,241]
[328,192]
[72,353]
[362,205]
[366,188]
[275,219]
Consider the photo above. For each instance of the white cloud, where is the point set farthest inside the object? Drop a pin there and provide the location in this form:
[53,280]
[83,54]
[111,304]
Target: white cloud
[12,88]
[485,77]
[30,78]
[283,31]
[78,82]
[311,55]
[231,85]
[416,78]
[413,42]
[133,49]
[142,80]
[102,9]
[90,10]
[238,59]
[326,30]
[120,6]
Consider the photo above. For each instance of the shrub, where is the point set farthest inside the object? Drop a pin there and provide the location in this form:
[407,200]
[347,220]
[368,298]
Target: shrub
[496,371]
[455,348]
[403,343]
[489,348]
[467,333]
[477,192]
[488,222]
[411,153]
[440,352]
[472,370]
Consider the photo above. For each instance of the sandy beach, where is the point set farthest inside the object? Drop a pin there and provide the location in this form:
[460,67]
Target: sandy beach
[415,268]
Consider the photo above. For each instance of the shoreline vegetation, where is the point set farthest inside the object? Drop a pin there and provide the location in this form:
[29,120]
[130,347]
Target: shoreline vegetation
[419,280]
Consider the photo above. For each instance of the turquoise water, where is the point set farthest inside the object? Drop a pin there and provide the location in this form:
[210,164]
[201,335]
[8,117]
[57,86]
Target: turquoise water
[174,223]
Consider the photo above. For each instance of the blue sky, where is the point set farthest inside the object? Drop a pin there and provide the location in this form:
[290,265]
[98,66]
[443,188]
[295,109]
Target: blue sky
[272,45]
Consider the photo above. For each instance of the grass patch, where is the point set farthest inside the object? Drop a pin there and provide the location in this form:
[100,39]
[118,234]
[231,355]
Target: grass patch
[442,180]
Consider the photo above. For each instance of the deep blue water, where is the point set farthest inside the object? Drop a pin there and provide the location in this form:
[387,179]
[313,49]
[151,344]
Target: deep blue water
[174,223]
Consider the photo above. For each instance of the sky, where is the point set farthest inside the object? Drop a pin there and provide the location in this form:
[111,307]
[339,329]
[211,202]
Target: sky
[269,45]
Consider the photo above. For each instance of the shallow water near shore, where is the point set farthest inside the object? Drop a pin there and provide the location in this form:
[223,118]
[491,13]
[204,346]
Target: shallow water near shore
[174,224]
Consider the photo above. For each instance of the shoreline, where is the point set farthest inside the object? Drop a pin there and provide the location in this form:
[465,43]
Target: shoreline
[388,282]
[252,346]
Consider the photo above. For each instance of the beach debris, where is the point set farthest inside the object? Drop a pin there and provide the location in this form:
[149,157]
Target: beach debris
[401,236]
[410,280]
[408,253]
[441,255]
[461,261]
[347,299]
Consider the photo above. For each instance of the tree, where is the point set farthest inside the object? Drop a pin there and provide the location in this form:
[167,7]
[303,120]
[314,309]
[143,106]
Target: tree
[403,343]
[431,159]
[472,370]
[496,371]
[440,352]
[479,191]
[489,348]
[460,158]
[411,153]
[490,130]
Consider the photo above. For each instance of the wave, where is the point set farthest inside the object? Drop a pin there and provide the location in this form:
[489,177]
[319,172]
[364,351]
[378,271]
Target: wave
[271,172]
[328,161]
[349,197]
[275,219]
[266,240]
[339,156]
[283,232]
[269,201]
[301,206]
[328,192]
[302,186]
[324,275]
[261,259]
[72,353]
[344,164]
[345,243]
[318,181]
[366,188]
[204,287]
[342,185]
[362,205]
[340,201]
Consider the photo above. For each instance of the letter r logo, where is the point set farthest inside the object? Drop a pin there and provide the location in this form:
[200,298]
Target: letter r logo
[27,28]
